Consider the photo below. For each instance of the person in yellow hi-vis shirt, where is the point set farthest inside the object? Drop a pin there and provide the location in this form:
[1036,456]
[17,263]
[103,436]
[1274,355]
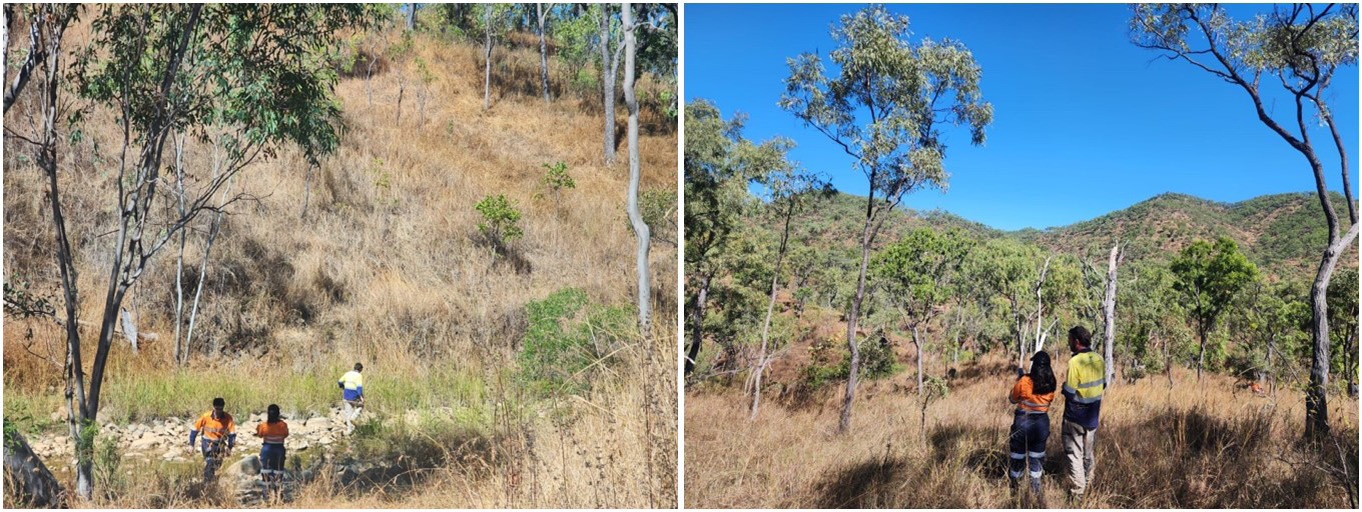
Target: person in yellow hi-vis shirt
[1083,386]
[352,389]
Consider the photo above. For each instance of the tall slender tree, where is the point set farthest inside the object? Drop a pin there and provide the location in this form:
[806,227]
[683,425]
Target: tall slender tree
[253,69]
[885,108]
[788,191]
[1301,46]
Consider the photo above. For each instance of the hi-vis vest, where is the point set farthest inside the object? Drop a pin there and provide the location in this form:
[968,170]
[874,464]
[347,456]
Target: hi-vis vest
[1086,379]
[214,428]
[353,384]
[274,433]
[1028,402]
[1083,386]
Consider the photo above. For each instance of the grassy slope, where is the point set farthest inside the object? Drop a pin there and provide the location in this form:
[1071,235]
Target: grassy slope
[1190,445]
[790,458]
[385,268]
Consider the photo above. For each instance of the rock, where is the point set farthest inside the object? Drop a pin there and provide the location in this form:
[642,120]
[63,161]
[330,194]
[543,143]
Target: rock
[302,445]
[318,424]
[57,416]
[248,466]
[325,441]
[145,443]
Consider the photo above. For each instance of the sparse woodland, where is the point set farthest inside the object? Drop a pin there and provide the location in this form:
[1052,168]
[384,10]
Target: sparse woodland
[475,200]
[1203,309]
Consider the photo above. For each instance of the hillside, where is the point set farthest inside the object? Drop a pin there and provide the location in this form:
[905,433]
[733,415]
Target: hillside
[1282,233]
[376,256]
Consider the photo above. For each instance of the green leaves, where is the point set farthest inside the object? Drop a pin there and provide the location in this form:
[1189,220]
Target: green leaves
[258,70]
[500,220]
[919,270]
[889,98]
[556,177]
[1209,276]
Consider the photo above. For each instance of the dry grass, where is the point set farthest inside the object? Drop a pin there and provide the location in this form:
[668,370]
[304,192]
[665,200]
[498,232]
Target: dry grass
[387,268]
[1210,445]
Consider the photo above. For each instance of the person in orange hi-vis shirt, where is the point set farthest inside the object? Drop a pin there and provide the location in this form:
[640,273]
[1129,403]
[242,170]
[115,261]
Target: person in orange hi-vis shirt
[274,430]
[1032,393]
[219,436]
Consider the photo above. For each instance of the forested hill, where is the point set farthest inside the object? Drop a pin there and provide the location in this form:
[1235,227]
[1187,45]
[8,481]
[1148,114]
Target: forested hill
[1282,233]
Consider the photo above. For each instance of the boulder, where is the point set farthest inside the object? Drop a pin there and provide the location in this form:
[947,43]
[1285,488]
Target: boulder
[144,444]
[247,467]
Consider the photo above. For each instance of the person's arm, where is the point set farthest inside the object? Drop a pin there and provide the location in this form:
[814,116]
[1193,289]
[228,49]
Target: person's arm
[194,431]
[1019,390]
[231,433]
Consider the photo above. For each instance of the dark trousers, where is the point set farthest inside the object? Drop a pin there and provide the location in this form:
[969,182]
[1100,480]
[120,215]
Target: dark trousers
[272,460]
[212,455]
[1026,442]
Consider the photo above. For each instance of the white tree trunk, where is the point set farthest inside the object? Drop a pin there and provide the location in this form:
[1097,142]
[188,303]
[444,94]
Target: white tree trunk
[1109,313]
[543,51]
[635,217]
[487,58]
[180,356]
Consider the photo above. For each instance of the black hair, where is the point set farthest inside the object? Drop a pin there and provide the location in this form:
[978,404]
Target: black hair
[1081,334]
[273,413]
[359,367]
[1042,377]
[219,402]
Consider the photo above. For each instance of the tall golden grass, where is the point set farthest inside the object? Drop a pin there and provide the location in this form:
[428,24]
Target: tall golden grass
[385,268]
[1191,445]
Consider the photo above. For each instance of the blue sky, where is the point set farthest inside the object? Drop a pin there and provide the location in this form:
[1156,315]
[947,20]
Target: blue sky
[1084,122]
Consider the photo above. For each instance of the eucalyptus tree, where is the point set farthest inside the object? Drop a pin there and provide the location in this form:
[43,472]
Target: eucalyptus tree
[24,471]
[1152,315]
[885,108]
[719,163]
[610,65]
[492,21]
[641,233]
[1343,313]
[1208,278]
[1272,316]
[919,274]
[1015,273]
[1302,47]
[255,70]
[787,191]
[541,12]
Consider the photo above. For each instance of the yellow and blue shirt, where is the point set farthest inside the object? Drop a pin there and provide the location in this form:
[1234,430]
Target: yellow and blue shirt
[353,385]
[1083,387]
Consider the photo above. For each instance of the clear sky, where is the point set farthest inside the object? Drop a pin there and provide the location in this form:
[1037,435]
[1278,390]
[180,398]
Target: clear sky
[1084,122]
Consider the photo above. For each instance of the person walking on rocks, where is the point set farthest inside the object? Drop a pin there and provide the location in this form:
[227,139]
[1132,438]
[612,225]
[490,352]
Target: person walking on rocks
[352,394]
[219,436]
[274,430]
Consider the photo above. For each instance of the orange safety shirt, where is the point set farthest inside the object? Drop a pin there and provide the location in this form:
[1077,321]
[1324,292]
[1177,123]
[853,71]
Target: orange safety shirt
[1027,400]
[215,428]
[272,432]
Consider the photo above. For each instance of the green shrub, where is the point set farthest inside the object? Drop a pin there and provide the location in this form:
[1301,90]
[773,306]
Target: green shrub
[877,361]
[499,220]
[567,335]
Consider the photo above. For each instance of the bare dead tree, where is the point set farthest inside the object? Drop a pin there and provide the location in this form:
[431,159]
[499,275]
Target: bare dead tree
[1109,312]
